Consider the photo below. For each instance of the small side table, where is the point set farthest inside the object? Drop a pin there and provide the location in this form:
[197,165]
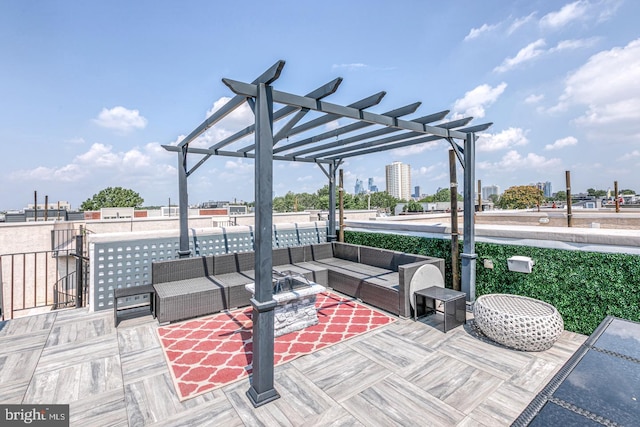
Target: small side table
[455,307]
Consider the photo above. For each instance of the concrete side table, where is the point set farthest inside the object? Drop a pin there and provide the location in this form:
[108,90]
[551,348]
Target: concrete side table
[518,322]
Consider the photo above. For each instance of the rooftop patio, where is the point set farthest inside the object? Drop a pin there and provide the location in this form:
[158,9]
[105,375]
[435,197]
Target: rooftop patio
[404,373]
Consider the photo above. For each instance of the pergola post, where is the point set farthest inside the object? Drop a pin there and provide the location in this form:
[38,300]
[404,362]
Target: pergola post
[332,202]
[468,248]
[262,390]
[183,202]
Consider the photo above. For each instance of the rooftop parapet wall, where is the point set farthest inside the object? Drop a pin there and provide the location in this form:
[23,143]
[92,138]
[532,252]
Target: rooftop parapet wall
[558,218]
[588,239]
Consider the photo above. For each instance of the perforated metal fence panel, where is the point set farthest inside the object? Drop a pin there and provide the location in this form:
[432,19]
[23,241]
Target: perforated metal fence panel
[126,263]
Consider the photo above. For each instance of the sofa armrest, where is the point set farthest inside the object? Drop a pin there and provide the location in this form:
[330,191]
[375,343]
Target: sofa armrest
[405,274]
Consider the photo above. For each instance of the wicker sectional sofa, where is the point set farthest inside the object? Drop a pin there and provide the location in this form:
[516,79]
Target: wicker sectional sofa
[192,287]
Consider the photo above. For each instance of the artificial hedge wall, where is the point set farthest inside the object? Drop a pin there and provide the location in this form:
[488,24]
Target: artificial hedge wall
[585,287]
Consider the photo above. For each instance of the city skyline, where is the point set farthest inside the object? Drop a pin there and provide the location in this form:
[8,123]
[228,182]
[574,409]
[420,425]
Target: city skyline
[92,90]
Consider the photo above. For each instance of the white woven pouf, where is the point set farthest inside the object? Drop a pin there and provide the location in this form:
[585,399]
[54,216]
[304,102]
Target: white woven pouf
[518,322]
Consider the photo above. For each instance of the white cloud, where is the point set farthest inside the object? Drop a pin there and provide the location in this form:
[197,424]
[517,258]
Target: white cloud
[350,67]
[513,161]
[609,9]
[476,32]
[508,138]
[561,143]
[100,166]
[424,170]
[476,100]
[120,119]
[607,85]
[630,156]
[333,125]
[519,22]
[76,140]
[569,12]
[235,121]
[239,166]
[574,44]
[533,98]
[440,177]
[527,53]
[238,119]
[136,159]
[414,149]
[99,155]
[536,49]
[67,173]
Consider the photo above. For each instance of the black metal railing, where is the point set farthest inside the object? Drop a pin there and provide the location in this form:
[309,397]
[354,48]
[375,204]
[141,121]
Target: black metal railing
[56,279]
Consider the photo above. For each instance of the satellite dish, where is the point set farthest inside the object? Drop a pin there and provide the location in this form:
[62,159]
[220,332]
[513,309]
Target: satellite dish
[426,276]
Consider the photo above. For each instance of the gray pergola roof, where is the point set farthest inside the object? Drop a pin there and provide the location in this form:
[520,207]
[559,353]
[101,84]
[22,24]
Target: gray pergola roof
[389,131]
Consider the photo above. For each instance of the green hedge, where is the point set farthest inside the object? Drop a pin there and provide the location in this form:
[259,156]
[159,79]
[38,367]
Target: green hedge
[585,287]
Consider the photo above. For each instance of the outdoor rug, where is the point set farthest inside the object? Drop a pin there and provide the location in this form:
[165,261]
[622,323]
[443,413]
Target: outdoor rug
[210,352]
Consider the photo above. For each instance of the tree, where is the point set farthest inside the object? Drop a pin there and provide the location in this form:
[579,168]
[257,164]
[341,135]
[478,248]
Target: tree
[494,198]
[596,193]
[383,200]
[113,197]
[413,206]
[444,195]
[520,197]
[627,191]
[561,195]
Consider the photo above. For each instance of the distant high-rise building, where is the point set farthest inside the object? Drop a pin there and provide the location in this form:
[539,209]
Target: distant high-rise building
[370,184]
[416,192]
[545,187]
[489,190]
[359,188]
[399,180]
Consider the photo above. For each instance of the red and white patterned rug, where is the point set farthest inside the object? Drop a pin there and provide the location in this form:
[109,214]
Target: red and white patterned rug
[210,352]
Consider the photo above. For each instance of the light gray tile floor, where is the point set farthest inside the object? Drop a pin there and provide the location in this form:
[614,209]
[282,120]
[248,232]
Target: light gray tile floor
[405,373]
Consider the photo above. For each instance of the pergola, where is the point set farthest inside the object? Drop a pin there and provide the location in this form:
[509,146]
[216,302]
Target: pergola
[386,131]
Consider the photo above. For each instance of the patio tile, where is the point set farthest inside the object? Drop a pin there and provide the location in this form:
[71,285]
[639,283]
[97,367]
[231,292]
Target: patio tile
[104,409]
[354,373]
[13,392]
[405,373]
[28,325]
[301,400]
[33,341]
[533,376]
[143,363]
[494,359]
[396,401]
[78,381]
[502,406]
[138,338]
[71,353]
[464,391]
[383,349]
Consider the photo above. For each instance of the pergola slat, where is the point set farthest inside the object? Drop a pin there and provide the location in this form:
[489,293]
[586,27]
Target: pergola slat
[246,89]
[398,112]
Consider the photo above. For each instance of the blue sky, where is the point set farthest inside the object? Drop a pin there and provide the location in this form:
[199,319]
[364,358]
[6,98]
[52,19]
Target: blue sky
[90,90]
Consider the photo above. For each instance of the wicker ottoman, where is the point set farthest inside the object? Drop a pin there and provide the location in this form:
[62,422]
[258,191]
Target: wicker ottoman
[518,322]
